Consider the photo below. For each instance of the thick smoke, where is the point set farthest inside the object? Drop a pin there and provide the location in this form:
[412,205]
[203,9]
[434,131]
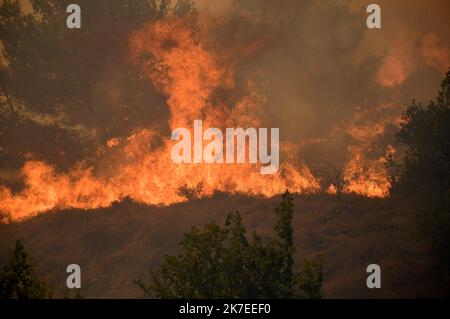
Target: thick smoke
[323,71]
[312,68]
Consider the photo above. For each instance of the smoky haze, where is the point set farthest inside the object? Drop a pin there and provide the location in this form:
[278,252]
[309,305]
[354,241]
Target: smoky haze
[336,89]
[321,66]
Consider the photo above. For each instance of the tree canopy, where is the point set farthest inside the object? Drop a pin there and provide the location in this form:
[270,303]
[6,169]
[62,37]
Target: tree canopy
[424,170]
[425,132]
[221,262]
[64,92]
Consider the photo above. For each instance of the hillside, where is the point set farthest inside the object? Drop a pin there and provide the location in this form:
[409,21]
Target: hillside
[116,245]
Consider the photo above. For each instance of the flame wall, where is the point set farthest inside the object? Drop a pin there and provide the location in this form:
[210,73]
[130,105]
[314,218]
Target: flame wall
[311,68]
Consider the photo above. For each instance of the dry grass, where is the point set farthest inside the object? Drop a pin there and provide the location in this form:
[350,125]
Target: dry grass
[116,245]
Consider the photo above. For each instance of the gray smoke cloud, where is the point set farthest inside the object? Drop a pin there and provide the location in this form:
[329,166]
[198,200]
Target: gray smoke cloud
[322,69]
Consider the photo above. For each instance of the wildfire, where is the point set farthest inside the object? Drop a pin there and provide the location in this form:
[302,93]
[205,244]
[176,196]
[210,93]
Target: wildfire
[173,57]
[367,177]
[189,72]
[363,175]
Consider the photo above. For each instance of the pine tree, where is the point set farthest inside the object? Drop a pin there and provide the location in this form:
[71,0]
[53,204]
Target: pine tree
[18,279]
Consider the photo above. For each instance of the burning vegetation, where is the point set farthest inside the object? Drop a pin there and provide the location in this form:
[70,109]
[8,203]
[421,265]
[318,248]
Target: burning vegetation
[196,67]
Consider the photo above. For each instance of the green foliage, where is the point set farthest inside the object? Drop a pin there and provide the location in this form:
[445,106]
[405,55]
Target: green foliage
[190,193]
[424,172]
[221,262]
[18,279]
[425,132]
[433,216]
[311,278]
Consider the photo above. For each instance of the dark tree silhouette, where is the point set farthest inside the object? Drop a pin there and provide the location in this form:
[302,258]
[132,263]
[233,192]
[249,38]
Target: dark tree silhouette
[424,170]
[338,181]
[220,262]
[64,92]
[18,279]
[425,131]
[190,193]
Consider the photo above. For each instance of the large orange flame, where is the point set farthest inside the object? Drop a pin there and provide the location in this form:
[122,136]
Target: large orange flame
[174,58]
[364,175]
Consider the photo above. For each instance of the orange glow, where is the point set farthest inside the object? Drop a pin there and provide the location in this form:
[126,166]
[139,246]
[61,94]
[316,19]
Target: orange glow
[363,175]
[434,54]
[172,56]
[396,65]
[367,177]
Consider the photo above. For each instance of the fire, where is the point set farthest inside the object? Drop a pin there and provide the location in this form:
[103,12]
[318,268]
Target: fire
[149,177]
[181,63]
[177,62]
[45,189]
[363,175]
[181,68]
[367,177]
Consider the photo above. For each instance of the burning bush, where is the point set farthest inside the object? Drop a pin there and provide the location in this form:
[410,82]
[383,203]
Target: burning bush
[190,192]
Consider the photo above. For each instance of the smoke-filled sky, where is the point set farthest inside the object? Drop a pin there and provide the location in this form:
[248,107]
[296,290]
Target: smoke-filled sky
[322,68]
[322,62]
[312,68]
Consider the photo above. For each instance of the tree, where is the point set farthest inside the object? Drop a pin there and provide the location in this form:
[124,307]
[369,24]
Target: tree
[338,181]
[221,262]
[425,132]
[284,212]
[311,278]
[424,170]
[18,279]
[56,84]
